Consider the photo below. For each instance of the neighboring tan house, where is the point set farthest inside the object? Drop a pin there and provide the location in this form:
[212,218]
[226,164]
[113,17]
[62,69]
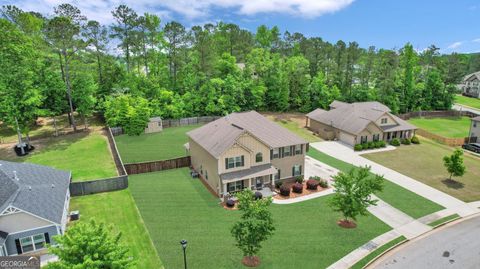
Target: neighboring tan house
[34,203]
[154,125]
[245,150]
[358,123]
[474,130]
[470,85]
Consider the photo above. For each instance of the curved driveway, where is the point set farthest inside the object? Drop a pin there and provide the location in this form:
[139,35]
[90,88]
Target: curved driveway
[454,246]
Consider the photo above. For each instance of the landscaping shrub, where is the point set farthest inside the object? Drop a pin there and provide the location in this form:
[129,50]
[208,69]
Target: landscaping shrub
[312,184]
[317,178]
[382,143]
[365,146]
[297,187]
[377,144]
[395,142]
[278,183]
[284,190]
[323,183]
[230,203]
[299,179]
[406,141]
[415,140]
[258,195]
[371,145]
[358,147]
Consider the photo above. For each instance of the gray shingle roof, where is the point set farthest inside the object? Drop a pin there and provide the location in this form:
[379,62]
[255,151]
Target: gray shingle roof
[218,136]
[316,112]
[354,118]
[253,172]
[40,190]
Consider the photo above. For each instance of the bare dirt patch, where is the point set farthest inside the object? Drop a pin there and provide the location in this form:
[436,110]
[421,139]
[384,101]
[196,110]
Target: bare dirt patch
[251,261]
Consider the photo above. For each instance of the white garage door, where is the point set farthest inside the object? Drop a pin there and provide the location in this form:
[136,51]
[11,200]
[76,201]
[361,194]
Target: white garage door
[346,138]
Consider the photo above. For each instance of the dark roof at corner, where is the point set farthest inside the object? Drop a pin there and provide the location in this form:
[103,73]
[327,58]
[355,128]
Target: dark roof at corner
[315,113]
[218,136]
[354,118]
[37,189]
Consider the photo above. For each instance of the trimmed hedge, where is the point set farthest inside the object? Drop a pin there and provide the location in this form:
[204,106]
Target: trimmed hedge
[312,184]
[299,179]
[406,141]
[370,145]
[297,187]
[415,140]
[395,142]
[358,147]
[284,190]
[323,183]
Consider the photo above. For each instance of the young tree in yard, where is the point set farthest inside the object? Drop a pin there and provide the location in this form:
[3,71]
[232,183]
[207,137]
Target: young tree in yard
[90,245]
[254,226]
[353,193]
[454,164]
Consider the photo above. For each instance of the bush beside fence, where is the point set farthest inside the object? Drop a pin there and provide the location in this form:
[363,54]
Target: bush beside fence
[146,167]
[100,185]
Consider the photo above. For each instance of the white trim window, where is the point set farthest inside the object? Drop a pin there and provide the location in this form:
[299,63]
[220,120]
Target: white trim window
[234,187]
[298,149]
[275,153]
[297,170]
[384,121]
[287,151]
[233,162]
[32,243]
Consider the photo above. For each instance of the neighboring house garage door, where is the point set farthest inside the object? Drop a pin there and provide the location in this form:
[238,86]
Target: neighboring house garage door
[347,138]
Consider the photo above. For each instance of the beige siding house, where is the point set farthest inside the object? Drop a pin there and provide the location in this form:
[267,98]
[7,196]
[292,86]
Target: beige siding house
[470,85]
[358,123]
[474,130]
[245,150]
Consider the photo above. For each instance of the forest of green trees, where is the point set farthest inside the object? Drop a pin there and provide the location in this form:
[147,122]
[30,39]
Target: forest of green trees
[139,67]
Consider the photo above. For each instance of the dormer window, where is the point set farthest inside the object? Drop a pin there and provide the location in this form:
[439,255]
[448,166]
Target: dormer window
[384,121]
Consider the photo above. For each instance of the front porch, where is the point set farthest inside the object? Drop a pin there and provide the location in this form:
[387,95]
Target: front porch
[258,178]
[390,135]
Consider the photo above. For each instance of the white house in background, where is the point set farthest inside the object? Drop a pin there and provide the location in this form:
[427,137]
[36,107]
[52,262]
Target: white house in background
[470,85]
[34,203]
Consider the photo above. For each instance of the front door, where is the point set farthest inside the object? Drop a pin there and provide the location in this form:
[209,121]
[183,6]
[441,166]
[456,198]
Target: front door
[259,183]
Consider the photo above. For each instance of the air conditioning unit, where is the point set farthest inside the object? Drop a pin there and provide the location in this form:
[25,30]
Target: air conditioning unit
[74,215]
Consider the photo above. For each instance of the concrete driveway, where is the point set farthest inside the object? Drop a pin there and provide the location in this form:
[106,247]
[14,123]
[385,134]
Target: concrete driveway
[457,245]
[345,153]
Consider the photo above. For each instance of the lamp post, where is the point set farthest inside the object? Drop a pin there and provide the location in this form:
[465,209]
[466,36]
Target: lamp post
[184,246]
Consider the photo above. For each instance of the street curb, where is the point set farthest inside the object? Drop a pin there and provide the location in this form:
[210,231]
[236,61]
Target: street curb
[385,252]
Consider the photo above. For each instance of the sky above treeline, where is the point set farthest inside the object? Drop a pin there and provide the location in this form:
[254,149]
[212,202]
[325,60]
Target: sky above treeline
[452,25]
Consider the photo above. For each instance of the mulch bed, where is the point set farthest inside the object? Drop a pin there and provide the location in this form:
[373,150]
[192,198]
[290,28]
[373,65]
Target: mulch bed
[253,261]
[346,224]
[224,205]
[294,195]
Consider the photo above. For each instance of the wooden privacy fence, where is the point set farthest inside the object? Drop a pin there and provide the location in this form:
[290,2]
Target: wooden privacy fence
[436,114]
[100,185]
[116,156]
[188,121]
[146,167]
[453,142]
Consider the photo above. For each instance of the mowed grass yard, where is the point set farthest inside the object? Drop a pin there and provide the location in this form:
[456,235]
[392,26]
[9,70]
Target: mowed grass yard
[410,203]
[295,127]
[467,101]
[174,207]
[454,127]
[118,210]
[167,144]
[424,162]
[86,154]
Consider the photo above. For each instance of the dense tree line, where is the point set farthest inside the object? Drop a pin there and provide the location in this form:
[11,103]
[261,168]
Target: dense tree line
[65,63]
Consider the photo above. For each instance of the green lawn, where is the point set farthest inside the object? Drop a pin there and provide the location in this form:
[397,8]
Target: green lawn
[467,101]
[294,127]
[118,209]
[167,144]
[448,127]
[85,154]
[174,207]
[410,203]
[443,220]
[424,162]
[374,254]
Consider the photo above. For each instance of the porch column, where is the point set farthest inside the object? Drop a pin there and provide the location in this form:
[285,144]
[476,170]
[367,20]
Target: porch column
[272,181]
[224,189]
[249,183]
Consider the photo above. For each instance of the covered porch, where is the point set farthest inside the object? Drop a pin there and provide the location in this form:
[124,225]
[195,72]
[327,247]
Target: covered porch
[258,178]
[390,134]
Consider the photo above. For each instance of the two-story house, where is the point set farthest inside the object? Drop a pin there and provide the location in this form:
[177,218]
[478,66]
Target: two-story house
[245,150]
[358,123]
[34,203]
[470,85]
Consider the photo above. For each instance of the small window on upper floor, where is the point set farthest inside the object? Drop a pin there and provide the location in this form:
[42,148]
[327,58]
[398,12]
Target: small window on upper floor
[384,120]
[259,157]
[298,149]
[275,153]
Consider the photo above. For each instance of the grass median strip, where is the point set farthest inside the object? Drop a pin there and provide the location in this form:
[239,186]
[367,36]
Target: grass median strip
[374,254]
[443,220]
[410,203]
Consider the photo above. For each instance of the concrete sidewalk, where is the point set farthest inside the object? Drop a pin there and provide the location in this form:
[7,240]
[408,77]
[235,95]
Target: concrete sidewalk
[346,154]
